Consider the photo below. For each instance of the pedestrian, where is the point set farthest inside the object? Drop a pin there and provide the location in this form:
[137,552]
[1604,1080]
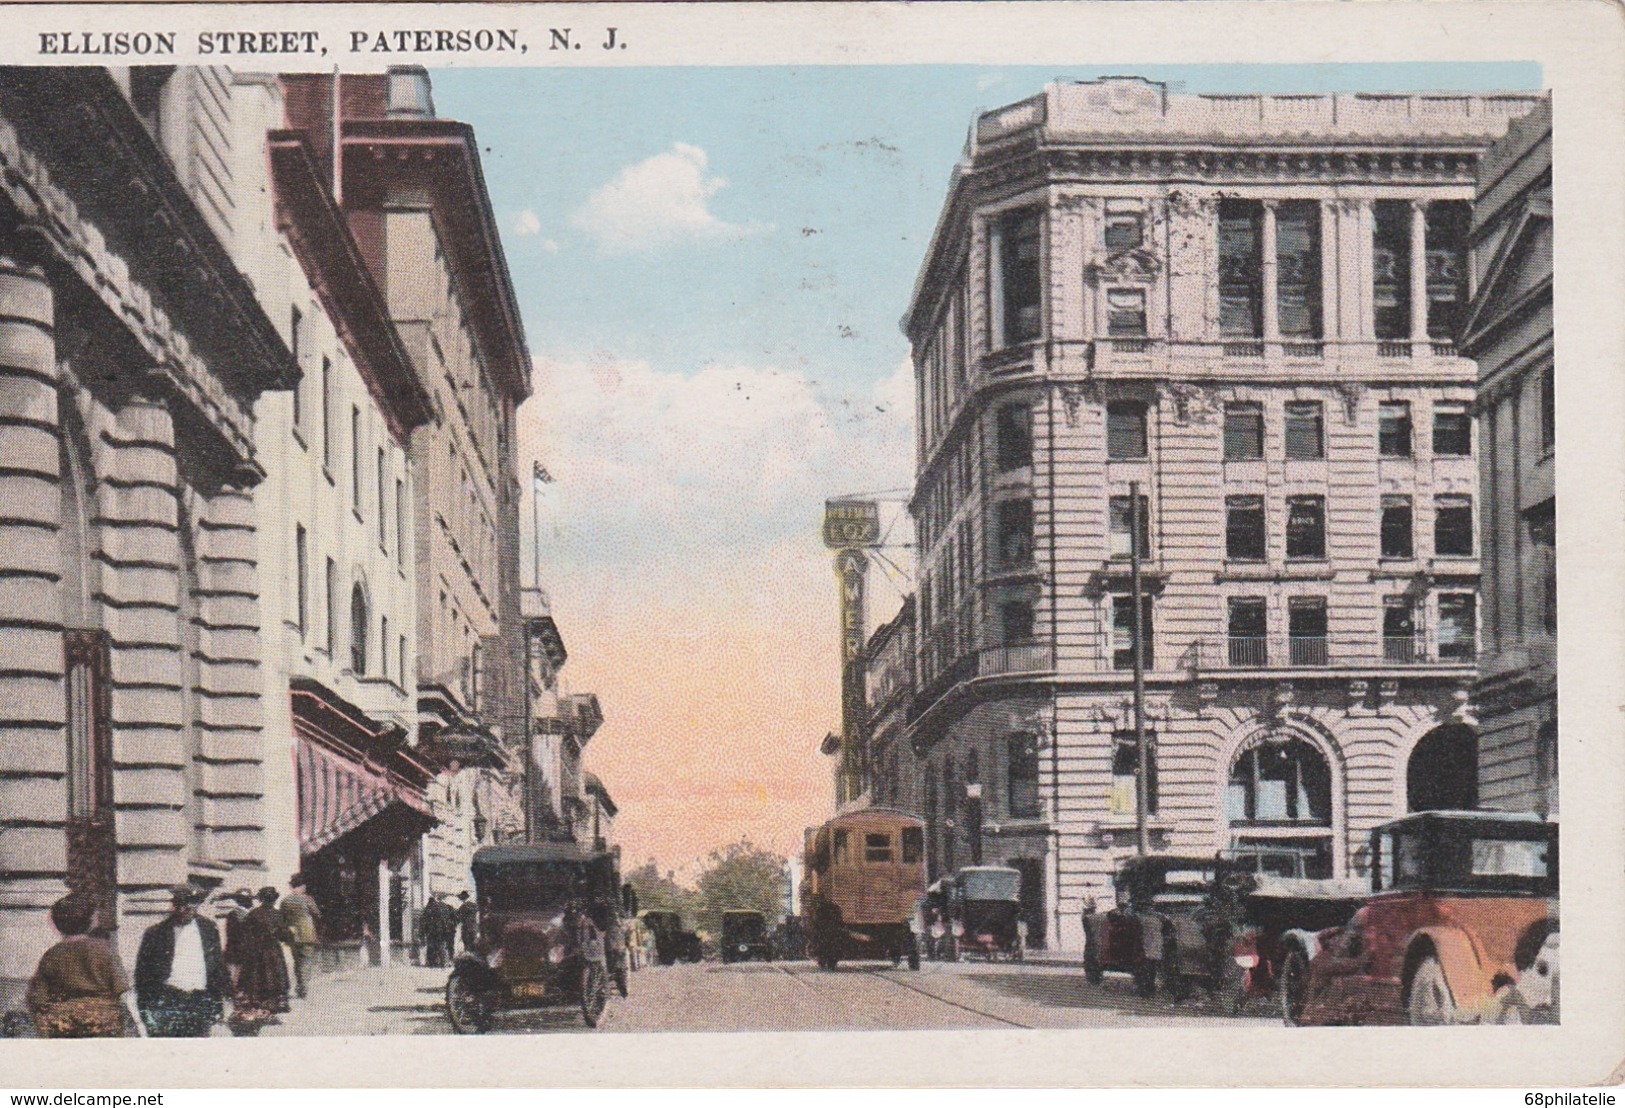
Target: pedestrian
[77,990]
[300,918]
[439,930]
[468,921]
[271,919]
[260,979]
[180,976]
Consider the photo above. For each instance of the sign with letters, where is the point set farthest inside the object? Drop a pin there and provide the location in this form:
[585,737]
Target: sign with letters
[849,524]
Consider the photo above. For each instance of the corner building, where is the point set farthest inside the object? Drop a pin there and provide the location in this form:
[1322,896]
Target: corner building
[1246,306]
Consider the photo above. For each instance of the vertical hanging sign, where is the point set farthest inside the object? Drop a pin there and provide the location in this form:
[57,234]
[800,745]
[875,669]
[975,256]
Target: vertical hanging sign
[850,525]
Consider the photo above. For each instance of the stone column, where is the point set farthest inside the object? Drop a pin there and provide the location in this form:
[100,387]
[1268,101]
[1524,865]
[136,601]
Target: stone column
[33,750]
[383,913]
[995,285]
[1269,267]
[1419,271]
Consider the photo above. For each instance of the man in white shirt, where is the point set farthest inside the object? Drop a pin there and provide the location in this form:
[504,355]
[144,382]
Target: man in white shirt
[180,976]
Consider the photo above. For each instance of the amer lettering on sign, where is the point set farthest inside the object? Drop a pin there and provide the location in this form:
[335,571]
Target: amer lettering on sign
[851,523]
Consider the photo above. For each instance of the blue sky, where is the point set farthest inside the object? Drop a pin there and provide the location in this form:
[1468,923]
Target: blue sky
[711,264]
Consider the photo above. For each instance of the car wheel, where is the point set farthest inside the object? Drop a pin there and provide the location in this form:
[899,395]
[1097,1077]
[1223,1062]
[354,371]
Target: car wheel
[594,993]
[1292,986]
[1092,972]
[468,1008]
[1145,979]
[1429,1002]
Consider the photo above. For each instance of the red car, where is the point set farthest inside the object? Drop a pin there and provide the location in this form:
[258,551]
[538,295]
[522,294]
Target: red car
[1461,921]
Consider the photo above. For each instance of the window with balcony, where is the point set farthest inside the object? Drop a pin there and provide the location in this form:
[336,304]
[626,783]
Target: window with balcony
[1306,527]
[1241,290]
[1126,773]
[1015,534]
[1022,776]
[1305,430]
[1458,627]
[1394,429]
[1125,429]
[1125,313]
[1297,282]
[1123,632]
[1397,530]
[1016,622]
[1399,630]
[1306,630]
[1452,430]
[1281,781]
[1019,273]
[1243,431]
[1125,227]
[1391,269]
[1248,631]
[1014,433]
[1121,526]
[1453,527]
[1244,528]
[1448,222]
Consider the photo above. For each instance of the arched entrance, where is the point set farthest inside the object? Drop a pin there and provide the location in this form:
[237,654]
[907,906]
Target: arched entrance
[1278,804]
[1442,773]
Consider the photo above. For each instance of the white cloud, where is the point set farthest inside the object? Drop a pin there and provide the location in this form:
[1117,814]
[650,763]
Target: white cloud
[659,201]
[550,245]
[527,223]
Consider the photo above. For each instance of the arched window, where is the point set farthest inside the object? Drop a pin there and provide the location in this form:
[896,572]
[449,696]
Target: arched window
[1280,781]
[1442,774]
[358,630]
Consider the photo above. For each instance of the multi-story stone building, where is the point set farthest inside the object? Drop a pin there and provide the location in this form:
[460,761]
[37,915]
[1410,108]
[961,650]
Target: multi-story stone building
[1243,306]
[1509,333]
[132,353]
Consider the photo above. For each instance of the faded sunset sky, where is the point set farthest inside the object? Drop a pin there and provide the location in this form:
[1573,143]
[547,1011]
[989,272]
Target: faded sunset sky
[711,263]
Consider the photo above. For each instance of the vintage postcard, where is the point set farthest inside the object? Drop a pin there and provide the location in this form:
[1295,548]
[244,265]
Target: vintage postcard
[1004,544]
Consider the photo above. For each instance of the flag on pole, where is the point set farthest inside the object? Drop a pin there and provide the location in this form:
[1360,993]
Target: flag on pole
[539,473]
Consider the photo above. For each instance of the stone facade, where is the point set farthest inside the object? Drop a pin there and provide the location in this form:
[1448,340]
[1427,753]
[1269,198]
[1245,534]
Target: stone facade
[1243,306]
[132,354]
[1509,332]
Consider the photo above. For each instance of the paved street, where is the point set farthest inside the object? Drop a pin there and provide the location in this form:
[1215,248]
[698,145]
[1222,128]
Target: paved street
[794,996]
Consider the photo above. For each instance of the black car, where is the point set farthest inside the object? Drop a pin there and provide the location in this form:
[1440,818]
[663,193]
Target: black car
[744,936]
[673,942]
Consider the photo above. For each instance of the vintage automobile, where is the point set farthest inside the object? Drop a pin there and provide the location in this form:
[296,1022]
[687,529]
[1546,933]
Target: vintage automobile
[983,913]
[863,873]
[544,909]
[1460,927]
[673,942]
[1274,911]
[1174,921]
[744,936]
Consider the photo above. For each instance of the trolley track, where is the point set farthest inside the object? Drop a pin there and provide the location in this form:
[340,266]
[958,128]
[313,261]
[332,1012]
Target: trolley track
[806,979]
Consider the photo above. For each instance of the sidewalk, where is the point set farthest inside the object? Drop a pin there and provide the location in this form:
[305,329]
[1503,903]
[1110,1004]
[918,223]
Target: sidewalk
[398,1000]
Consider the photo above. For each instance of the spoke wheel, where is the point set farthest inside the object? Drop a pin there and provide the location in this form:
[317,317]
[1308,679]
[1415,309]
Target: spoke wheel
[467,1007]
[1291,985]
[1430,1002]
[594,993]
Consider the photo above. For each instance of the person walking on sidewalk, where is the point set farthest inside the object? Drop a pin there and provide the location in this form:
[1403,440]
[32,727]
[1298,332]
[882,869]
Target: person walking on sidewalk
[180,976]
[300,917]
[439,930]
[78,987]
[260,991]
[468,920]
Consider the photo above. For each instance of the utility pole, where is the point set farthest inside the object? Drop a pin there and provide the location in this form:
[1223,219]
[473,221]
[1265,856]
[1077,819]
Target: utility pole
[1142,779]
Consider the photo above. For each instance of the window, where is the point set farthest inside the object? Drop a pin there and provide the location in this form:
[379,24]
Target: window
[1015,533]
[1022,776]
[1306,527]
[1019,274]
[1016,622]
[332,607]
[1394,429]
[1398,630]
[1121,524]
[475,675]
[1126,774]
[1297,259]
[1391,268]
[1306,630]
[1396,527]
[327,415]
[383,484]
[1241,291]
[1243,431]
[355,459]
[1458,627]
[1305,430]
[1125,429]
[1452,429]
[876,847]
[358,630]
[301,571]
[1453,527]
[1249,630]
[400,522]
[1015,437]
[1447,225]
[1548,409]
[1123,632]
[1124,228]
[400,660]
[295,322]
[913,843]
[1244,528]
[383,646]
[842,850]
[1125,313]
[1281,781]
[1542,523]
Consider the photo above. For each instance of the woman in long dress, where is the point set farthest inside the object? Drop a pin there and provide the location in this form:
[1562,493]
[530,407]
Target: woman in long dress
[254,952]
[77,989]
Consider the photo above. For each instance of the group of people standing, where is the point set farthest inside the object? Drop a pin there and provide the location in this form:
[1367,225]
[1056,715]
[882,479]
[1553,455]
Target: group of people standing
[441,924]
[184,973]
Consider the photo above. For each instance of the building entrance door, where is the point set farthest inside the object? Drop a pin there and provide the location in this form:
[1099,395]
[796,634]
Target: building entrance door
[1032,899]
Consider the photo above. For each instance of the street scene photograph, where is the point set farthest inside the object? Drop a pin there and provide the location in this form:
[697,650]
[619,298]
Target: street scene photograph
[584,550]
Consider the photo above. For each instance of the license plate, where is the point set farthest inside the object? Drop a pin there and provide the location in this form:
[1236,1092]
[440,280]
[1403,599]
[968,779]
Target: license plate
[530,990]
